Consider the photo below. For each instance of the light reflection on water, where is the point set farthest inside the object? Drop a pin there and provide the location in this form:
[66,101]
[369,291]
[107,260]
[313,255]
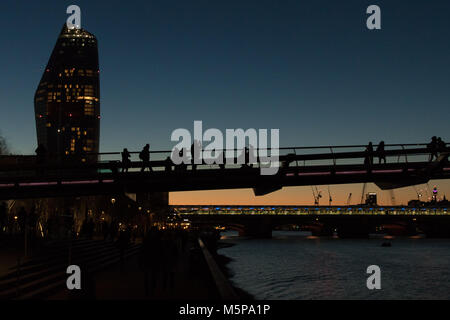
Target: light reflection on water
[293,265]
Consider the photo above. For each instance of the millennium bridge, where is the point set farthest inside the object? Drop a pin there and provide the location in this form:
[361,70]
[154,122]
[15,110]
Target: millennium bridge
[406,165]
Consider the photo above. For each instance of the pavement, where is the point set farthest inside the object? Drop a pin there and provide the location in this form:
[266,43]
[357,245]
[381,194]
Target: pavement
[126,281]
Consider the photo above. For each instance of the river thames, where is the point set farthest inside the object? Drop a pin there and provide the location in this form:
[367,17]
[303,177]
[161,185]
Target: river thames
[295,266]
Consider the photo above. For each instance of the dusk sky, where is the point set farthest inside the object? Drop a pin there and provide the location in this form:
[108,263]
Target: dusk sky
[309,68]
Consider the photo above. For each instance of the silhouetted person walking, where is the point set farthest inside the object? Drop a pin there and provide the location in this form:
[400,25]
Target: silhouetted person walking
[433,148]
[41,154]
[369,155]
[193,146]
[182,166]
[440,145]
[253,157]
[381,152]
[126,163]
[246,158]
[144,155]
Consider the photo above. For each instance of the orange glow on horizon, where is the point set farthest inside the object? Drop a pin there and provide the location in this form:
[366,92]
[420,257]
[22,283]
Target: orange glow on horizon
[303,195]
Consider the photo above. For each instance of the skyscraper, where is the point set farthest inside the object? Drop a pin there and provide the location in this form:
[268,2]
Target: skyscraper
[67,100]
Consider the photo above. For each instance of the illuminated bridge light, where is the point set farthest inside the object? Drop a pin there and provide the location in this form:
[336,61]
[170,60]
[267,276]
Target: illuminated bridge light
[81,182]
[33,184]
[351,172]
[314,173]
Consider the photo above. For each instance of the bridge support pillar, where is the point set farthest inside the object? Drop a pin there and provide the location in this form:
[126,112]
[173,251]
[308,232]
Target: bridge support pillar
[439,227]
[258,229]
[353,228]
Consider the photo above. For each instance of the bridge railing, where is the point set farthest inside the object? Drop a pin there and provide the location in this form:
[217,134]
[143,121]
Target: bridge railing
[311,211]
[288,156]
[310,156]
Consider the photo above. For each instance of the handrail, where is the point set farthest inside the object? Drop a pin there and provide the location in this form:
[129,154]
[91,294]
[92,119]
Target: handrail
[108,164]
[281,148]
[288,148]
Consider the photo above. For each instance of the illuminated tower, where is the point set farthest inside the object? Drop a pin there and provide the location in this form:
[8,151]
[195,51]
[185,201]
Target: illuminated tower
[435,194]
[67,100]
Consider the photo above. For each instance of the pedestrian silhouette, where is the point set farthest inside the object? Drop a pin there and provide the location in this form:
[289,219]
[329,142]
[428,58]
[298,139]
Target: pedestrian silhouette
[41,154]
[381,152]
[441,147]
[433,148]
[126,163]
[193,153]
[168,164]
[368,161]
[182,166]
[246,158]
[144,155]
[253,158]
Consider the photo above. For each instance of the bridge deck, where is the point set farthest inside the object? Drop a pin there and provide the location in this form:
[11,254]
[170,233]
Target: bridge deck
[24,178]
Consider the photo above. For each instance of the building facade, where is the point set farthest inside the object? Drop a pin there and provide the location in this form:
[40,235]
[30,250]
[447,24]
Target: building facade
[67,100]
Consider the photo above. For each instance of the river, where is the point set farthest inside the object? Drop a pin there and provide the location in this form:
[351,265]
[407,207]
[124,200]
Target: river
[295,266]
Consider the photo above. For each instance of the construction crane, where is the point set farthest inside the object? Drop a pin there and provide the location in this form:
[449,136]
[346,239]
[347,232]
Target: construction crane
[316,194]
[330,199]
[362,194]
[349,198]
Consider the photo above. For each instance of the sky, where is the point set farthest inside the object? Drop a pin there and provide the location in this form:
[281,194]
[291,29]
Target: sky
[309,68]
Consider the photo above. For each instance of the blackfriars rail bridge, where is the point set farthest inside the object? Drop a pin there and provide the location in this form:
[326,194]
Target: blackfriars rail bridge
[406,165]
[343,221]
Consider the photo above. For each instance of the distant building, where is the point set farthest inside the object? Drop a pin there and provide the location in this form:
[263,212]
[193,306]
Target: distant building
[434,198]
[371,199]
[67,100]
[415,203]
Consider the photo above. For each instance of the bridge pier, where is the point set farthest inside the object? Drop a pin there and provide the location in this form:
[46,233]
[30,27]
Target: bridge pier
[353,228]
[258,229]
[436,229]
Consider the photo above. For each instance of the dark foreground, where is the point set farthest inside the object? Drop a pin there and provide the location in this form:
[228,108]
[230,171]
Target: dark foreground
[167,265]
